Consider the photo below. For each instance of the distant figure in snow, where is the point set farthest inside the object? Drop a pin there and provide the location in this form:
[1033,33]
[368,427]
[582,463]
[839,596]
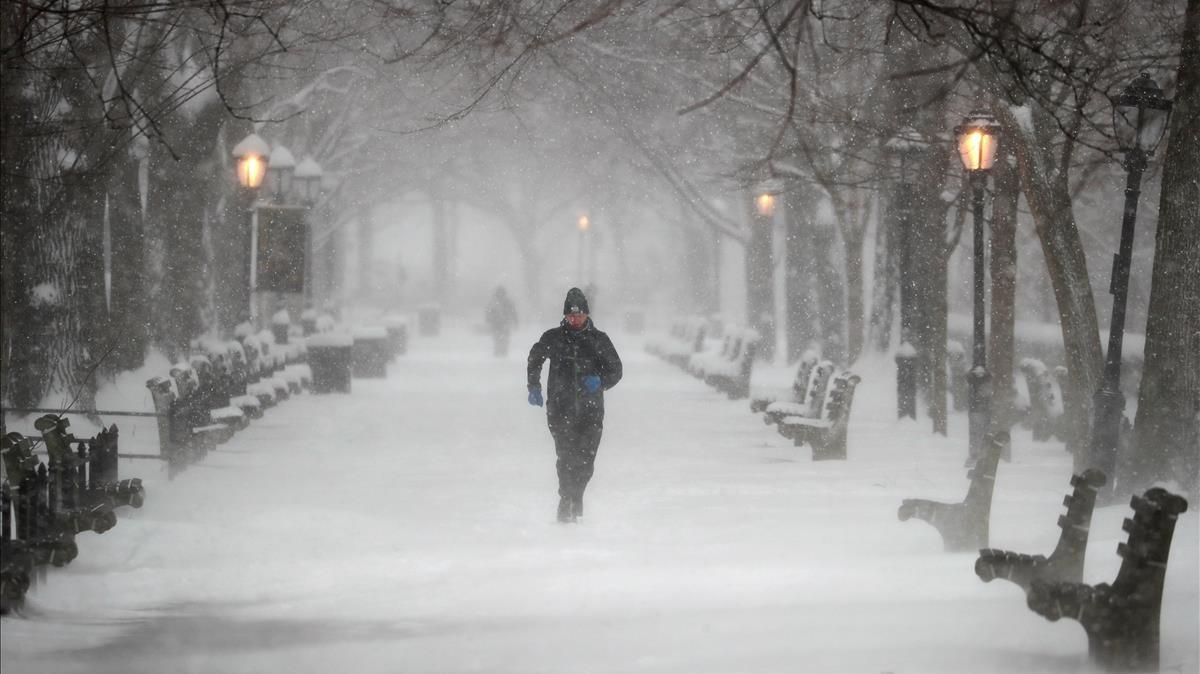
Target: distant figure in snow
[583,365]
[501,319]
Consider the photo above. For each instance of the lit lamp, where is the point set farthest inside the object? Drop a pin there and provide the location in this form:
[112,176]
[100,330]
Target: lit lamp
[1140,116]
[250,157]
[584,223]
[977,137]
[767,191]
[307,180]
[280,169]
[904,150]
[765,204]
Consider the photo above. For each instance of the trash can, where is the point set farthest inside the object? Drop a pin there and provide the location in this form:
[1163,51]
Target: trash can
[329,357]
[429,320]
[397,332]
[279,326]
[372,351]
[308,320]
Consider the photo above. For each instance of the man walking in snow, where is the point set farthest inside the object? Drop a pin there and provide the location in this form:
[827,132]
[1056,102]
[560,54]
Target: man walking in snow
[583,365]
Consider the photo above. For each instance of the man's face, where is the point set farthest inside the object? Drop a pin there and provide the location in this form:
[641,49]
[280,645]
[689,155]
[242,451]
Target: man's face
[576,321]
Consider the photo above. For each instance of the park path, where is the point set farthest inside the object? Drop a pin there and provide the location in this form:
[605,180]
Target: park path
[409,527]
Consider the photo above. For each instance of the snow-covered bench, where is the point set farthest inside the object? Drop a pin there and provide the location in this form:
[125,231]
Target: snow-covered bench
[699,363]
[1065,564]
[297,375]
[731,375]
[1045,399]
[1122,618]
[796,393]
[826,433]
[808,405]
[964,526]
[186,429]
[685,338]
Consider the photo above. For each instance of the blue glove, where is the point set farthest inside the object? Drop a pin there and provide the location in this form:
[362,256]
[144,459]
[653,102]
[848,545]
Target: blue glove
[535,396]
[591,383]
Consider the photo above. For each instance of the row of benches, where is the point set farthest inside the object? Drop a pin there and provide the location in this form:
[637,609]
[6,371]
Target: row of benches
[1121,618]
[205,398]
[726,365]
[220,387]
[1040,409]
[815,410]
[688,346]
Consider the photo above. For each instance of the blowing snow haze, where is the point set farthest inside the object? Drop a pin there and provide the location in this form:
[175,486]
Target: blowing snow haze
[440,336]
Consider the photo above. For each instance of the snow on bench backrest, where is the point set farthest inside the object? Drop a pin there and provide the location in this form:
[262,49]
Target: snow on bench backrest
[818,385]
[808,363]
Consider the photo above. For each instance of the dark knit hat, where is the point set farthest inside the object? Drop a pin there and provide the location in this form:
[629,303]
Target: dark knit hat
[575,303]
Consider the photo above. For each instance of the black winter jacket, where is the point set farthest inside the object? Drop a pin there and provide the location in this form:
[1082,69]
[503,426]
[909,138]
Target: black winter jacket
[574,354]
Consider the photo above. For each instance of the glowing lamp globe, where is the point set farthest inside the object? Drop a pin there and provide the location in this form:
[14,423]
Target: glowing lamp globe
[250,158]
[977,138]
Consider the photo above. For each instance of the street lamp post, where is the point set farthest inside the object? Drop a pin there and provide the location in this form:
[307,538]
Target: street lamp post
[1139,119]
[280,168]
[977,137]
[760,267]
[903,149]
[250,157]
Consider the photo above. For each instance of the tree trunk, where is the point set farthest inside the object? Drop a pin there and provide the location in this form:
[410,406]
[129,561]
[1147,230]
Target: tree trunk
[930,255]
[926,280]
[154,251]
[698,264]
[760,281]
[1047,191]
[128,319]
[886,285]
[1067,266]
[1003,273]
[173,221]
[52,345]
[852,240]
[365,248]
[935,362]
[831,293]
[1167,432]
[798,265]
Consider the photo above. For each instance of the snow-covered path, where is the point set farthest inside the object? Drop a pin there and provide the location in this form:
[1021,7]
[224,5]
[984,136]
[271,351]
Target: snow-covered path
[410,527]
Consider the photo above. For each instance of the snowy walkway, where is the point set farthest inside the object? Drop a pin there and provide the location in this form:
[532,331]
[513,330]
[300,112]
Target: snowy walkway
[410,528]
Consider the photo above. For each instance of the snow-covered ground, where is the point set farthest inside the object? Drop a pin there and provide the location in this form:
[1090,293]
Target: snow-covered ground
[409,527]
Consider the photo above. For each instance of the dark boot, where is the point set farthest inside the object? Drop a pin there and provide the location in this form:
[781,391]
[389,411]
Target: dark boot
[566,509]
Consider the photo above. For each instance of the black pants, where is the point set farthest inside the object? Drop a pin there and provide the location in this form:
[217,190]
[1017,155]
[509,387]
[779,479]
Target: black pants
[576,440]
